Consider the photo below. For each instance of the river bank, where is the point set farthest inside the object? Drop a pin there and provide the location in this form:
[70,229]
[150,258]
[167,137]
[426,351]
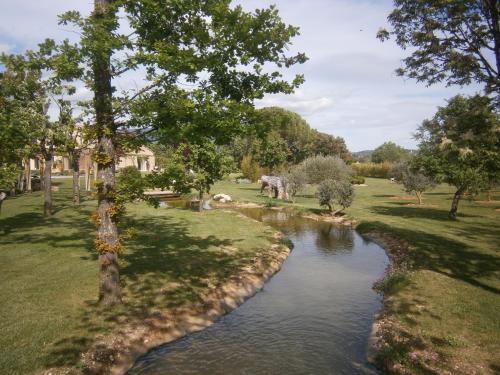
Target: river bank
[48,303]
[116,353]
[441,313]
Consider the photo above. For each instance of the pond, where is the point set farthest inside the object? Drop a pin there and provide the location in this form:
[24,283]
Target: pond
[313,317]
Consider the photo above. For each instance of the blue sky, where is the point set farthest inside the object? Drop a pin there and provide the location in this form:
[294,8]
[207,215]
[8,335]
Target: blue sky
[351,89]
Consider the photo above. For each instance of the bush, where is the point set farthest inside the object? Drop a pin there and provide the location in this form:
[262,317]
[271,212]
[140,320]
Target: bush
[8,177]
[335,192]
[295,180]
[321,168]
[357,180]
[377,170]
[250,168]
[398,169]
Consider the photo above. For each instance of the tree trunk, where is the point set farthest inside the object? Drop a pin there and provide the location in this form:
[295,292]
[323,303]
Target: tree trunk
[419,197]
[47,187]
[42,173]
[20,178]
[27,175]
[95,169]
[75,163]
[86,166]
[455,201]
[107,242]
[2,198]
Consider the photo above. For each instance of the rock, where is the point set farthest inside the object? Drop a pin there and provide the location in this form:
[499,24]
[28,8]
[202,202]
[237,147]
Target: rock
[223,198]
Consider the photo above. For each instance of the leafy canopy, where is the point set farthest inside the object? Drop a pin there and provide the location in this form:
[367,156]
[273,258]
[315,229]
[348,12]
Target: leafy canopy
[452,41]
[390,152]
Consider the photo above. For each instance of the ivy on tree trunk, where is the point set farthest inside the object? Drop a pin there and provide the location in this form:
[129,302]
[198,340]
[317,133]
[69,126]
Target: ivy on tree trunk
[107,242]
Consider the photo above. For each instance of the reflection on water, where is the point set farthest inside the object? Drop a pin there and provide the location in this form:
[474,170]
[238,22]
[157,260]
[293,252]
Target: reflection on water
[313,317]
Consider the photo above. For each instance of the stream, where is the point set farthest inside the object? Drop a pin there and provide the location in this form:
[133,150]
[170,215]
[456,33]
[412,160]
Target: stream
[313,317]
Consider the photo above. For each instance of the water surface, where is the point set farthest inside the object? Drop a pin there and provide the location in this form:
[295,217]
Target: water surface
[313,317]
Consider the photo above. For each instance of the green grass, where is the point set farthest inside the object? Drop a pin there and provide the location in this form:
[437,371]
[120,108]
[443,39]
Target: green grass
[450,304]
[48,311]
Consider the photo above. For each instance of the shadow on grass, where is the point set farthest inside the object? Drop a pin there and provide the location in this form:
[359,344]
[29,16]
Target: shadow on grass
[448,257]
[411,212]
[165,267]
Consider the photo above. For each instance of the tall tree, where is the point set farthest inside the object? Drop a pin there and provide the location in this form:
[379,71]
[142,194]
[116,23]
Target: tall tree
[74,142]
[329,145]
[291,127]
[455,41]
[391,152]
[219,50]
[26,114]
[461,145]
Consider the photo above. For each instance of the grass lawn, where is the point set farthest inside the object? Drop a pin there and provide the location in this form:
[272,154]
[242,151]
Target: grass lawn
[450,305]
[48,311]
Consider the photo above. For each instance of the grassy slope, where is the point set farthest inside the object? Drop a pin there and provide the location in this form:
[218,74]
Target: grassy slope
[48,313]
[451,305]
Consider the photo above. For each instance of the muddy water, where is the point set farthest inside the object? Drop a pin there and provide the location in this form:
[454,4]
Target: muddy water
[313,317]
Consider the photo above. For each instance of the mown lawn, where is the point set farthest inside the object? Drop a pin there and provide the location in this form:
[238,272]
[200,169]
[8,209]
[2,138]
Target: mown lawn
[48,268]
[451,303]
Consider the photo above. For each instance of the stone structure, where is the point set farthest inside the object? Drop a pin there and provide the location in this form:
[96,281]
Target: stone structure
[274,184]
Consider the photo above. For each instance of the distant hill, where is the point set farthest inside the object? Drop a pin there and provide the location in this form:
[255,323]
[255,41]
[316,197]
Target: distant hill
[364,155]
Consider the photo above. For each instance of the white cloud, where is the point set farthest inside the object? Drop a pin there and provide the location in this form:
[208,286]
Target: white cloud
[350,90]
[301,102]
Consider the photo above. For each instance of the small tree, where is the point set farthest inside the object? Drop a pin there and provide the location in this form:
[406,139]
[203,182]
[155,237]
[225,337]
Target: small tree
[460,145]
[295,180]
[335,192]
[194,166]
[416,182]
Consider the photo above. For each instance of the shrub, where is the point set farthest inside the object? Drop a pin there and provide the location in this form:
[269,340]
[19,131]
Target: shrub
[8,177]
[321,168]
[335,192]
[357,180]
[250,168]
[295,180]
[397,170]
[377,170]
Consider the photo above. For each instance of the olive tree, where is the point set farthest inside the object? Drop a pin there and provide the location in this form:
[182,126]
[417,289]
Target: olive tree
[295,180]
[417,183]
[335,192]
[320,168]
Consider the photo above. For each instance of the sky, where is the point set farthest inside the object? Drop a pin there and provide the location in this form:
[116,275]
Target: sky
[351,89]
